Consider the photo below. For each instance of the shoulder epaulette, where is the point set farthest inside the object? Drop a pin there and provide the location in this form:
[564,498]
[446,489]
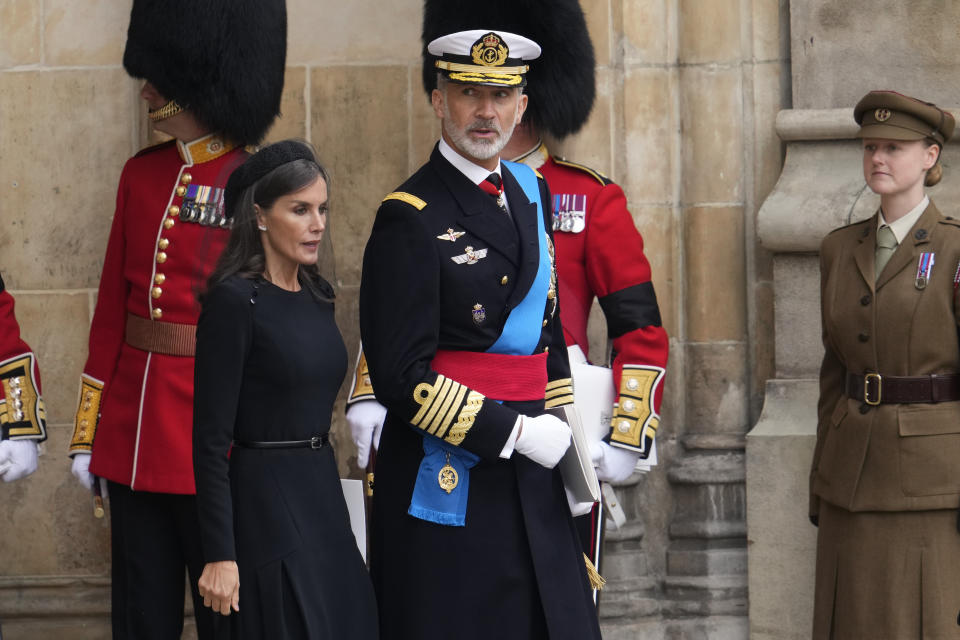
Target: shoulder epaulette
[409,198]
[852,224]
[154,147]
[950,220]
[599,177]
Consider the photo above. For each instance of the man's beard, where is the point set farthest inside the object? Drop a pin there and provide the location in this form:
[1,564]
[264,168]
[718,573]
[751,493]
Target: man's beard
[479,149]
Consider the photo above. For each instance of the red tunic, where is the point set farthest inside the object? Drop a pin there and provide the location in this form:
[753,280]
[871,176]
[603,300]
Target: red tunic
[600,254]
[22,414]
[136,405]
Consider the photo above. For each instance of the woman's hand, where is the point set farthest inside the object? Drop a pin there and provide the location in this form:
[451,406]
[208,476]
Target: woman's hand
[219,586]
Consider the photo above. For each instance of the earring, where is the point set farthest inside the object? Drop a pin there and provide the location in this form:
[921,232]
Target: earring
[262,227]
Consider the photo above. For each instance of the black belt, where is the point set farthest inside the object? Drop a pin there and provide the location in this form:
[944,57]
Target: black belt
[874,388]
[316,442]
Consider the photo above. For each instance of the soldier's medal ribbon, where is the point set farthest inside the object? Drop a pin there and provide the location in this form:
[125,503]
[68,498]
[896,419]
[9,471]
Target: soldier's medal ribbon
[924,268]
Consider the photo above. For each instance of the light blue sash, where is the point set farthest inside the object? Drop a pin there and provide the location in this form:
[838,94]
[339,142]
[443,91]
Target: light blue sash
[521,332]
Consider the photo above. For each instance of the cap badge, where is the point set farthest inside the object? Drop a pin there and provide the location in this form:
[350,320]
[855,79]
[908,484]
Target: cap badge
[882,115]
[489,51]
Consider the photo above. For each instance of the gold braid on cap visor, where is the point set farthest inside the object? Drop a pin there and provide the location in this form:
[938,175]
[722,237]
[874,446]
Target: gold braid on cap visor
[164,112]
[507,76]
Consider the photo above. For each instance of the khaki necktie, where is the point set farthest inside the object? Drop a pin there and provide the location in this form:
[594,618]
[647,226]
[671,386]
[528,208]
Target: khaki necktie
[886,245]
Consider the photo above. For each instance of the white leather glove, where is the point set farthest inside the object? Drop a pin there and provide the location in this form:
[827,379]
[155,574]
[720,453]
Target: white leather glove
[366,423]
[613,463]
[81,470]
[544,439]
[18,459]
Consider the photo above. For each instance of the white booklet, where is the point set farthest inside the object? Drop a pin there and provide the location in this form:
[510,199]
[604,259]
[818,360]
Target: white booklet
[353,495]
[576,467]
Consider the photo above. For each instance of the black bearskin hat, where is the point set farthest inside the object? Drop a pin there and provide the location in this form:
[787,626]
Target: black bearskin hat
[222,59]
[560,82]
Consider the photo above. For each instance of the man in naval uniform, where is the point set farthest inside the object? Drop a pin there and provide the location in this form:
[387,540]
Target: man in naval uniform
[23,419]
[599,251]
[213,76]
[471,533]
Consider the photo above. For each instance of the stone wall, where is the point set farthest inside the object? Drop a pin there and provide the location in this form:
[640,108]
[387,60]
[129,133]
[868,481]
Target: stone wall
[688,91]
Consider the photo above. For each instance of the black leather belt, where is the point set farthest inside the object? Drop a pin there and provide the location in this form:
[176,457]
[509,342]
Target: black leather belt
[874,388]
[316,442]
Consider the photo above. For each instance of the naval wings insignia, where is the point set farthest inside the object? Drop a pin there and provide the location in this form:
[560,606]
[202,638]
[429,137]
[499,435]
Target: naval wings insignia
[451,235]
[470,256]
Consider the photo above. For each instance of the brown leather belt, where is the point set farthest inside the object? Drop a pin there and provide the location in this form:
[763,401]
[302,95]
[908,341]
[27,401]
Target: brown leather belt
[168,338]
[874,388]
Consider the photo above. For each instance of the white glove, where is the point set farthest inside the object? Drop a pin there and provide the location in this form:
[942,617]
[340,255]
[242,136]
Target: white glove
[18,459]
[613,463]
[544,439]
[366,423]
[81,469]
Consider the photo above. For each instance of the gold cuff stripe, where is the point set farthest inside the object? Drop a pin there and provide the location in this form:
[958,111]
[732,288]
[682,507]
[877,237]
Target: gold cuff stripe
[560,382]
[562,391]
[88,414]
[443,402]
[362,387]
[466,418]
[633,415]
[429,424]
[24,406]
[475,68]
[493,78]
[558,402]
[446,417]
[409,198]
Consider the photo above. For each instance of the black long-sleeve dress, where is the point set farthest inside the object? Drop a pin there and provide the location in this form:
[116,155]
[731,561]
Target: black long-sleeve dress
[269,363]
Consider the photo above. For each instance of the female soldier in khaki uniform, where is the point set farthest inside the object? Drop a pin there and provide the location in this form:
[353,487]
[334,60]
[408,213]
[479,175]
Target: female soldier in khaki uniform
[885,479]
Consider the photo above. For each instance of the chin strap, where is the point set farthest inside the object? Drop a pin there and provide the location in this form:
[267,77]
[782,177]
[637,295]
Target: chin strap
[172,108]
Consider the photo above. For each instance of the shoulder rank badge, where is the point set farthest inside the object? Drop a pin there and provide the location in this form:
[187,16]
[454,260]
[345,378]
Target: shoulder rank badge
[451,235]
[569,212]
[470,256]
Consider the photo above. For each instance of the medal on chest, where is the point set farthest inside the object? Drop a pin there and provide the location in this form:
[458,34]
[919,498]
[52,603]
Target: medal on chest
[203,205]
[569,212]
[924,269]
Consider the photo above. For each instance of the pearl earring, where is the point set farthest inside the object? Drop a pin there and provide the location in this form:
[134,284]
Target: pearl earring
[262,227]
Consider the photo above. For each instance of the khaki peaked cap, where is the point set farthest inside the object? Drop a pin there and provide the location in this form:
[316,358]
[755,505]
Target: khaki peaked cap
[892,115]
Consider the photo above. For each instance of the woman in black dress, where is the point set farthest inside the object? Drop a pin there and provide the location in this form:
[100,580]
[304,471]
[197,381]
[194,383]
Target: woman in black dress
[269,363]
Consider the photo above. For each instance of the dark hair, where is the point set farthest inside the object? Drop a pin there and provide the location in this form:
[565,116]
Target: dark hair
[244,254]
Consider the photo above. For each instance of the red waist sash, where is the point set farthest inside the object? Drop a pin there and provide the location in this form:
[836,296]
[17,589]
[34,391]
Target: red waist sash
[495,375]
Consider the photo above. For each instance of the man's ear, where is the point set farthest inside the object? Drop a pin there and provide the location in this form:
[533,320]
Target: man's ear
[436,99]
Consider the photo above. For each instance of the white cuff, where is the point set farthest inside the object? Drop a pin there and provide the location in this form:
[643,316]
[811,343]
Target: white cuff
[512,440]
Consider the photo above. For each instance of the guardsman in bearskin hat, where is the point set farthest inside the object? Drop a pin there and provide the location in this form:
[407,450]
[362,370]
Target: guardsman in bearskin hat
[213,76]
[469,512]
[599,251]
[23,419]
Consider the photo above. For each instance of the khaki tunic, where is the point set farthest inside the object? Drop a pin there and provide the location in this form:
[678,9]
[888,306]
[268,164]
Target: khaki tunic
[891,457]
